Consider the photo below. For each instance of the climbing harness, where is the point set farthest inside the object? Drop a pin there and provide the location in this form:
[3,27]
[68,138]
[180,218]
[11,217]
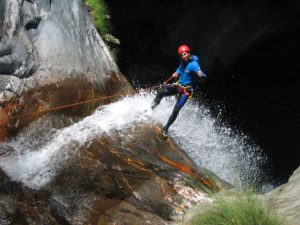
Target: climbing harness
[187,90]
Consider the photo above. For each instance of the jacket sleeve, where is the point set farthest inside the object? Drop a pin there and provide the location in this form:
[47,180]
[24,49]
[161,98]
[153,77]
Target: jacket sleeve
[178,71]
[195,67]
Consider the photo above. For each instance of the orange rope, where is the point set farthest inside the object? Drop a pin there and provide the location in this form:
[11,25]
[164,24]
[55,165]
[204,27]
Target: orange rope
[70,105]
[63,106]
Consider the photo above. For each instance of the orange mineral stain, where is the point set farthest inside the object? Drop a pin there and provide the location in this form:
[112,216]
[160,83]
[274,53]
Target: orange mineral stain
[188,170]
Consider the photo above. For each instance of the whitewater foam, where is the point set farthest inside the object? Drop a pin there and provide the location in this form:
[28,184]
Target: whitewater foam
[38,158]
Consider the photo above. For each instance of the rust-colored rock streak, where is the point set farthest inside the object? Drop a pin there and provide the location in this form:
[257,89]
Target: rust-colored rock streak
[4,121]
[188,170]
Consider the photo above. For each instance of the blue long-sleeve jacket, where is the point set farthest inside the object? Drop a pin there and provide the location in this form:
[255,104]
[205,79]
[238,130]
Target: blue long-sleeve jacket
[188,72]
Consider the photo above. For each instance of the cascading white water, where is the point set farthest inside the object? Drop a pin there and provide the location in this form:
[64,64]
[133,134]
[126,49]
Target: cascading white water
[43,148]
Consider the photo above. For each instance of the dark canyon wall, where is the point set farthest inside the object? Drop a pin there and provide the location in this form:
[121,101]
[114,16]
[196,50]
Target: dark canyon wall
[248,49]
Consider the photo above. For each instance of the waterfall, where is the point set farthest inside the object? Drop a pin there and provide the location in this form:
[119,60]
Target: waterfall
[39,151]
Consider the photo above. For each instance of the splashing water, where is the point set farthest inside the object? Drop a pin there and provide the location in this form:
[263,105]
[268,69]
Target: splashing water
[218,148]
[46,146]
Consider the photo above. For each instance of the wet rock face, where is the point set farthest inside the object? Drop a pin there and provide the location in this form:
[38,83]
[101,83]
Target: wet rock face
[285,199]
[49,36]
[16,48]
[71,96]
[50,49]
[127,177]
[123,180]
[21,205]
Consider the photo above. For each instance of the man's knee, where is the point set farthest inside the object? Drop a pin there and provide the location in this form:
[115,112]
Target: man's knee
[176,109]
[158,98]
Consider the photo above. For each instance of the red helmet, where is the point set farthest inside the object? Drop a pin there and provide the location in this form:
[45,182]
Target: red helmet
[183,48]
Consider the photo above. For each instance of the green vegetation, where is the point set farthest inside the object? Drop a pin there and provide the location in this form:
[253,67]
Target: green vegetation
[100,15]
[101,19]
[243,210]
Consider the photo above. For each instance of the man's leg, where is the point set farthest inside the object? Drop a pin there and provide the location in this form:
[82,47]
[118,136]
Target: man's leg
[163,92]
[180,103]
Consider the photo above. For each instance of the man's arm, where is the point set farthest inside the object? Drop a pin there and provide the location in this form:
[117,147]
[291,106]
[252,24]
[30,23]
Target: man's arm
[201,74]
[174,75]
